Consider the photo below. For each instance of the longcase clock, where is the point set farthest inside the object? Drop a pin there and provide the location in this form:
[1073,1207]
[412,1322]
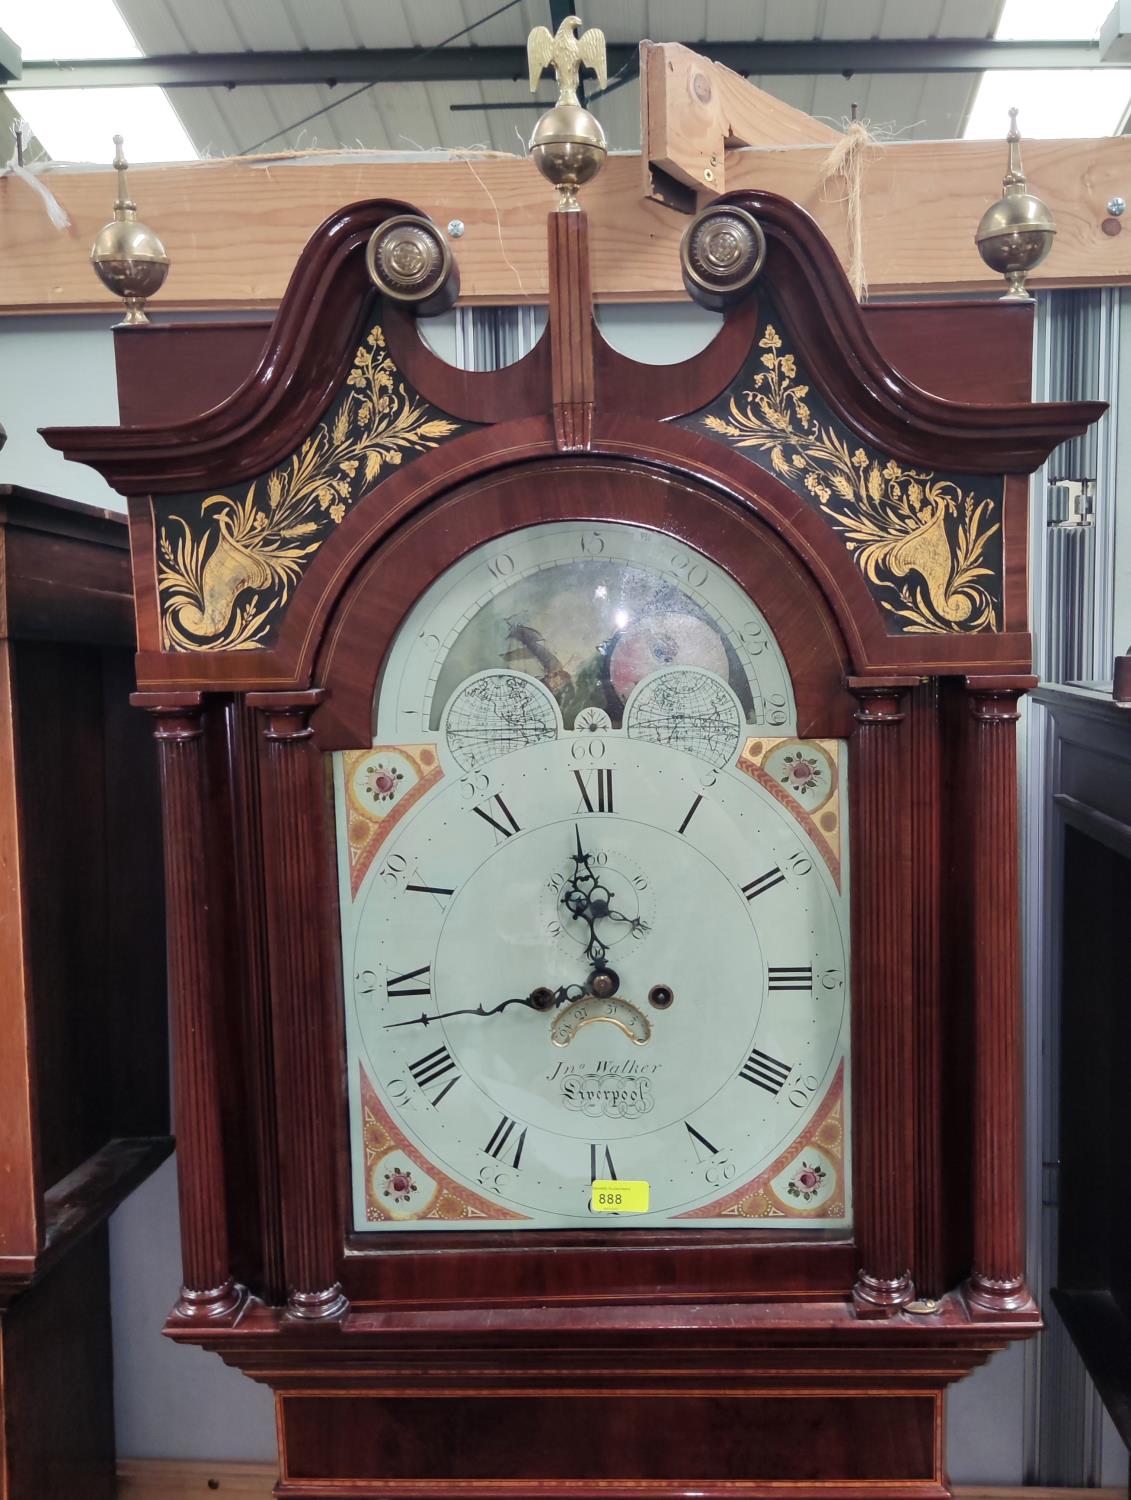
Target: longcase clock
[591,866]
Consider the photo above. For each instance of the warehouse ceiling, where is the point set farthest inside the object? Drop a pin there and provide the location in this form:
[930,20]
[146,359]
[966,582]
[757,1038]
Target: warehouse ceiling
[224,77]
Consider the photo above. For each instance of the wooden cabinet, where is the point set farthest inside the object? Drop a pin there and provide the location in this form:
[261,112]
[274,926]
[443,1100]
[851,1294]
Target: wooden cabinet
[1091,883]
[83,1033]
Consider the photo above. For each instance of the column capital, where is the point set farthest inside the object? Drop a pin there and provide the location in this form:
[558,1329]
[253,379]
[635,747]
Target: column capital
[994,700]
[176,716]
[882,700]
[287,714]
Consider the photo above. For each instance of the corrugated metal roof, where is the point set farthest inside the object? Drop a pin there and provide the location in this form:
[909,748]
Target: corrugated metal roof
[398,116]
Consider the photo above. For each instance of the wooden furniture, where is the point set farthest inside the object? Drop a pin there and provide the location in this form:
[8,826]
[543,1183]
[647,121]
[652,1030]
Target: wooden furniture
[1093,855]
[83,1072]
[282,537]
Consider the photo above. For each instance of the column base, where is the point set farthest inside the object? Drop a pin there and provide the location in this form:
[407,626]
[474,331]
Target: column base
[218,1304]
[327,1306]
[990,1298]
[880,1296]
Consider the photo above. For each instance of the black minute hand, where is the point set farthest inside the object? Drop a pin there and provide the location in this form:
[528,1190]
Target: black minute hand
[539,999]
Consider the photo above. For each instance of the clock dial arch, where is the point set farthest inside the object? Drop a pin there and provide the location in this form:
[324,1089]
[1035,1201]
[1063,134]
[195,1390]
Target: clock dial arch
[382,589]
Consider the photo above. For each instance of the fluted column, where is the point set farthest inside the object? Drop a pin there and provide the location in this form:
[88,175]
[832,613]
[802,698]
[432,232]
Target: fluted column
[997,1281]
[209,1292]
[882,1046]
[291,789]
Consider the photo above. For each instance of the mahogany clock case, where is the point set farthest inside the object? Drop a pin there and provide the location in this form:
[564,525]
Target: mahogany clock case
[882,532]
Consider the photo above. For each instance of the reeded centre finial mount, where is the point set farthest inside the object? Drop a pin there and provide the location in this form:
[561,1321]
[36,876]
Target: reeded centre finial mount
[568,144]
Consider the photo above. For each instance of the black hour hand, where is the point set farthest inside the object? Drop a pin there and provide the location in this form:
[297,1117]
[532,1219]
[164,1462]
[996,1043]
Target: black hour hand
[541,998]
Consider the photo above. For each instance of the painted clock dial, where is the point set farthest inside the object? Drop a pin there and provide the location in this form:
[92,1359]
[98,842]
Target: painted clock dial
[594,904]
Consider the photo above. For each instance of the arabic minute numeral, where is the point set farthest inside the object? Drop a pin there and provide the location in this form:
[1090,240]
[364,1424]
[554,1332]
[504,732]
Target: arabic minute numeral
[501,566]
[800,1092]
[753,637]
[588,747]
[694,573]
[720,1170]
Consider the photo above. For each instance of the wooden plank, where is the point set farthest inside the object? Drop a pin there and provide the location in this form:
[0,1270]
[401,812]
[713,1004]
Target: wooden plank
[695,110]
[21,1227]
[235,228]
[172,1479]
[923,200]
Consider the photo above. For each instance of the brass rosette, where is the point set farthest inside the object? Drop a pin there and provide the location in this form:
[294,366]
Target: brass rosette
[721,254]
[410,262]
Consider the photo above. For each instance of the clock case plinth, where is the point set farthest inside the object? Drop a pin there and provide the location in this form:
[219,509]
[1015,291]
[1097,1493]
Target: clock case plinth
[893,573]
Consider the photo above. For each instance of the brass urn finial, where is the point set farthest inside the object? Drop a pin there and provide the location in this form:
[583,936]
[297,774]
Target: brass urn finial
[568,144]
[130,259]
[1015,233]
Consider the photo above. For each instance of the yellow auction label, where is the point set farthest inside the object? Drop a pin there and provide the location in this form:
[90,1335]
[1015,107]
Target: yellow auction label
[612,1197]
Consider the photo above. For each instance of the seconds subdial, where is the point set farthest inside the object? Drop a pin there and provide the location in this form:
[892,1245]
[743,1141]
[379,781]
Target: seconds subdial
[598,899]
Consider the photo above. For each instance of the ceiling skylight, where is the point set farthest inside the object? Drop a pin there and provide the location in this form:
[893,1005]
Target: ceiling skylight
[1051,20]
[1059,103]
[1055,103]
[79,124]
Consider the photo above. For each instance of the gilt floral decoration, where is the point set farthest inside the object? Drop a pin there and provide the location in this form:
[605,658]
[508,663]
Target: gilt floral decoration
[227,563]
[929,546]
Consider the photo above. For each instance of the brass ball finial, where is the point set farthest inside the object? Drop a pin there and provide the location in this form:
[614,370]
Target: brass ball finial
[568,144]
[1015,233]
[129,258]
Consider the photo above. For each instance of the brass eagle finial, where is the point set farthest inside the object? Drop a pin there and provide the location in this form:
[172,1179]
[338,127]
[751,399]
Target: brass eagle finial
[566,53]
[568,145]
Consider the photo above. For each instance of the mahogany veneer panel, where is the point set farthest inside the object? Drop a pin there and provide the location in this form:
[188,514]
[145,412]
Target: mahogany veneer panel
[213,359]
[608,1436]
[966,351]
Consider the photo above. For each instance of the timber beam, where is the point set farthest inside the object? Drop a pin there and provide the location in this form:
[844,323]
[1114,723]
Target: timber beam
[695,112]
[234,228]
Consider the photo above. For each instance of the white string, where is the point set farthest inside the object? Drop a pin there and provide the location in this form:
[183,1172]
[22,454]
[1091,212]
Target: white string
[55,210]
[846,161]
